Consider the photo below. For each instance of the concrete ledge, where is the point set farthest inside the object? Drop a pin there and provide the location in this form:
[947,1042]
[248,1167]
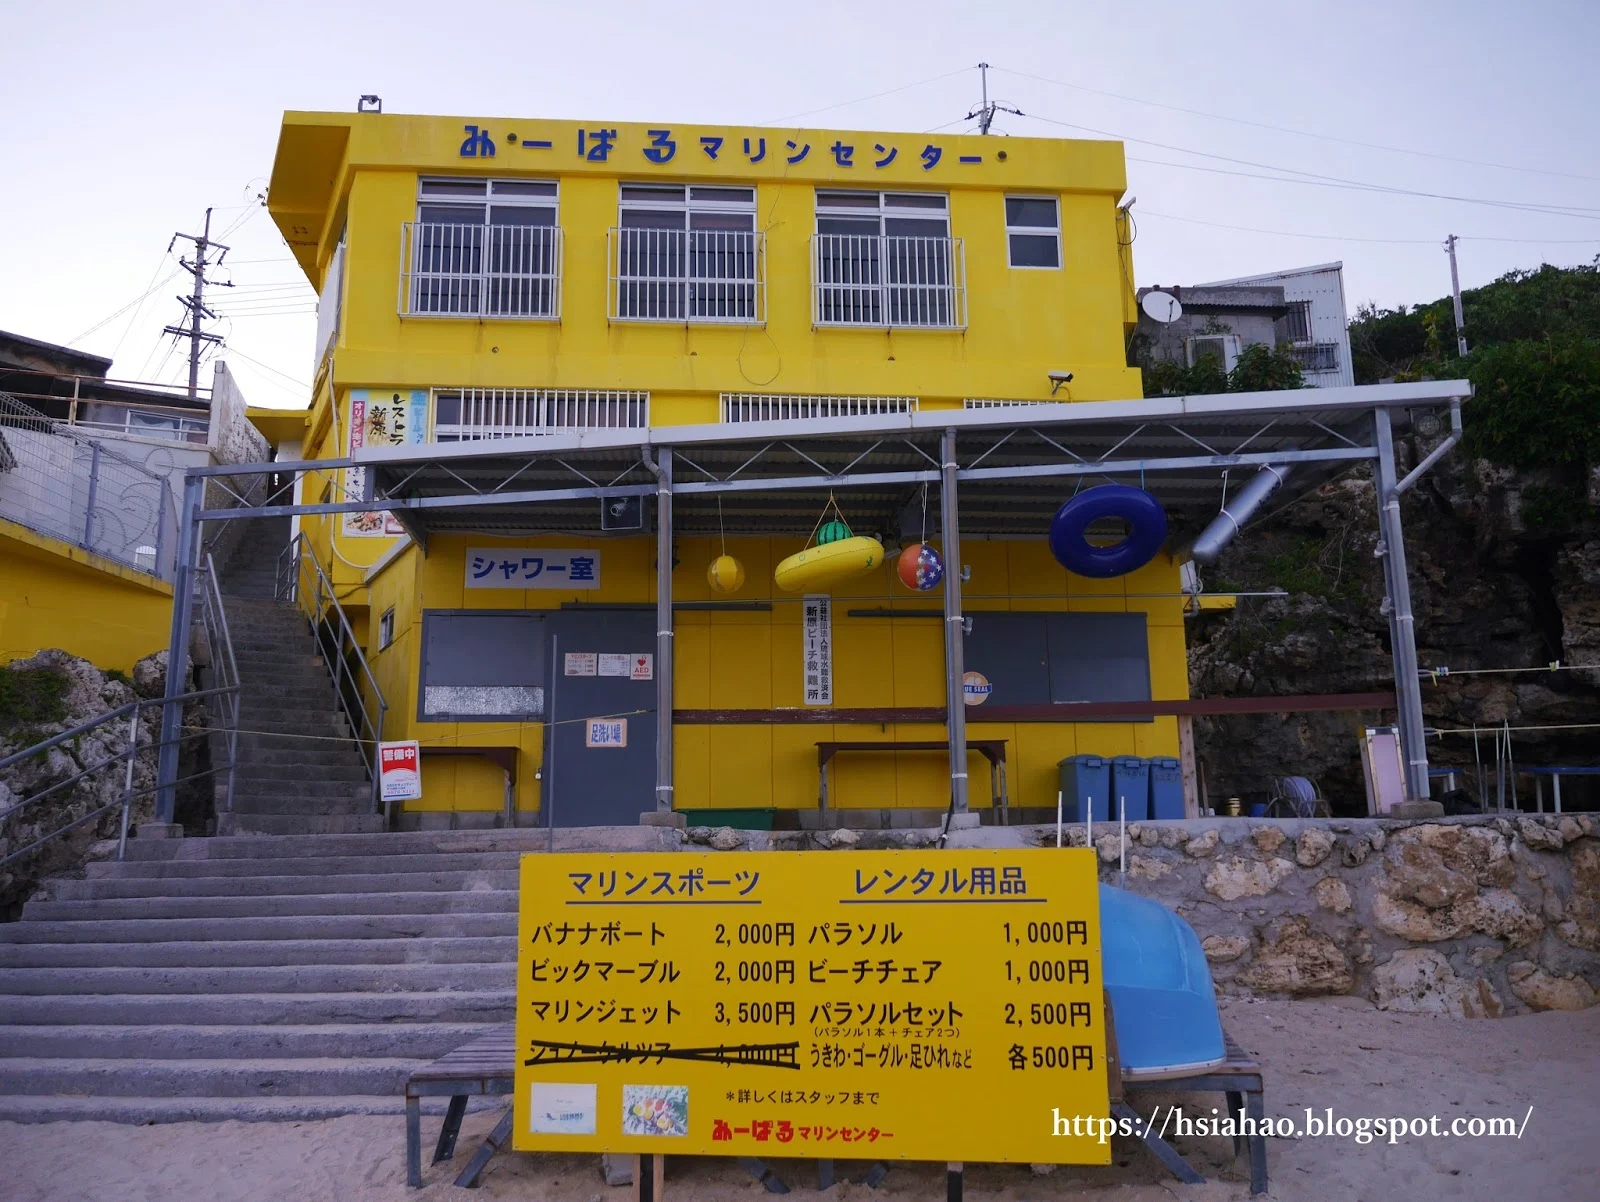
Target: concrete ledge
[158,830]
[666,818]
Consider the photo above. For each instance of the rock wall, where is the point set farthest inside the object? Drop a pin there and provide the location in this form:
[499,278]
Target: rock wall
[1472,917]
[1495,584]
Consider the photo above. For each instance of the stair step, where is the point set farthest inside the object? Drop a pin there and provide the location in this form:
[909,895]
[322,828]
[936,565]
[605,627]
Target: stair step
[309,759]
[327,803]
[341,867]
[301,824]
[187,1042]
[224,930]
[260,978]
[57,1108]
[491,901]
[280,776]
[474,880]
[314,1076]
[572,838]
[260,1009]
[262,953]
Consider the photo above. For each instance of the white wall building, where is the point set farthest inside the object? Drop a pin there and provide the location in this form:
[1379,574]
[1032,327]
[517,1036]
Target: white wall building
[1317,325]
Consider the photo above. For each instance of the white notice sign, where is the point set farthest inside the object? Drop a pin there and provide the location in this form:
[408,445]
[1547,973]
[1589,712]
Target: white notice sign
[643,667]
[614,665]
[580,663]
[817,650]
[606,732]
[532,567]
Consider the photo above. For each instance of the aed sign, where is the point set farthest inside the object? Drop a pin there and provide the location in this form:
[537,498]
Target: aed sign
[400,771]
[917,1005]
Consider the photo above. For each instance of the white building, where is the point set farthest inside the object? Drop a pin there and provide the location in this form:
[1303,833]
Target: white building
[1316,324]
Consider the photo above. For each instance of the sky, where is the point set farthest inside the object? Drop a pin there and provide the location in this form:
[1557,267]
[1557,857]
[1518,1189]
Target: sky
[1259,136]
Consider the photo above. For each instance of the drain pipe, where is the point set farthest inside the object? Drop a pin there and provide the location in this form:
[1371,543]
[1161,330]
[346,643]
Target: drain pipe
[662,470]
[1237,512]
[1438,452]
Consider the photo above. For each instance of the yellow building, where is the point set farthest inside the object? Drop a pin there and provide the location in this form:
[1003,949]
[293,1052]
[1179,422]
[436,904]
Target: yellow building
[521,301]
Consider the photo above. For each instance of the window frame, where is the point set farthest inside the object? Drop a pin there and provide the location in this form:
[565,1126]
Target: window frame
[682,287]
[1034,231]
[492,285]
[386,629]
[902,278]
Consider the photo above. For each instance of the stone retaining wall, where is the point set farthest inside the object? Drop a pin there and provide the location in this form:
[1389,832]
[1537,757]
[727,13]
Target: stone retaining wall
[1474,917]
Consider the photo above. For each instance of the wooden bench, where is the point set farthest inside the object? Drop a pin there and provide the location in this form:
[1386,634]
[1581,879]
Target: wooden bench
[993,750]
[486,1066]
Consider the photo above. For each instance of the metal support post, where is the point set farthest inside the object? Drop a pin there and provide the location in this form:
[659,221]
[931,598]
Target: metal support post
[1402,625]
[183,579]
[954,640]
[127,782]
[1455,296]
[94,487]
[663,473]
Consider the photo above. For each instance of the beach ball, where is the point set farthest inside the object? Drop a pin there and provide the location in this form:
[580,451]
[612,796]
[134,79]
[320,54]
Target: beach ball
[725,574]
[920,567]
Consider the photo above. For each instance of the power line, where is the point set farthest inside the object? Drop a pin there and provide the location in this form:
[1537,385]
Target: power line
[1248,229]
[1313,178]
[233,350]
[863,99]
[1299,133]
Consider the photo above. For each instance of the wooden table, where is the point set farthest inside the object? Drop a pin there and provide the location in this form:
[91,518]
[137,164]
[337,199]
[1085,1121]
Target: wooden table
[482,1068]
[993,750]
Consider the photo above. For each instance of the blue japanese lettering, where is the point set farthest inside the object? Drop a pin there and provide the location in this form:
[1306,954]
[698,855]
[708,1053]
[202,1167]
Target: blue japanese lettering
[843,154]
[582,567]
[888,155]
[711,145]
[596,144]
[662,147]
[760,153]
[795,146]
[930,156]
[477,144]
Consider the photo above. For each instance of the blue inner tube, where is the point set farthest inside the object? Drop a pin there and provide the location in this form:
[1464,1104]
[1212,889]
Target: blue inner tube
[1147,526]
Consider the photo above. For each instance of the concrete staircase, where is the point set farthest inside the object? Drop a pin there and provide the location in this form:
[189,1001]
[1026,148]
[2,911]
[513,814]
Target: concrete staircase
[299,771]
[291,977]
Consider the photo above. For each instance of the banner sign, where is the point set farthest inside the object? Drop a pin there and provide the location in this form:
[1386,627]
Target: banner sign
[381,418]
[400,771]
[532,567]
[933,1005]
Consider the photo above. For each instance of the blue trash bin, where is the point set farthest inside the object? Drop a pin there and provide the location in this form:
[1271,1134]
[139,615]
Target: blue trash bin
[1166,788]
[1130,783]
[1085,778]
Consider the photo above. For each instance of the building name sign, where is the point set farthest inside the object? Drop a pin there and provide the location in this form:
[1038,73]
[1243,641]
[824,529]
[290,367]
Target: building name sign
[532,567]
[662,146]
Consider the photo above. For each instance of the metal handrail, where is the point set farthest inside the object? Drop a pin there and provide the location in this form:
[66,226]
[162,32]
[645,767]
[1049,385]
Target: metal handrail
[214,618]
[292,561]
[128,755]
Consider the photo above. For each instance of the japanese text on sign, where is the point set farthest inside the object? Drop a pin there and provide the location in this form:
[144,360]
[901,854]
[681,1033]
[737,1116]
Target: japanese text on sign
[532,567]
[754,1004]
[816,660]
[380,419]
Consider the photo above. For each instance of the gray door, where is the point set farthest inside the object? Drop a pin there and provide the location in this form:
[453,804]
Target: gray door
[600,741]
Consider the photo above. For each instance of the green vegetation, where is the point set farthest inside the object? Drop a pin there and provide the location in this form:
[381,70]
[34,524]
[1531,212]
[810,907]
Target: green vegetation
[31,696]
[1259,368]
[1535,369]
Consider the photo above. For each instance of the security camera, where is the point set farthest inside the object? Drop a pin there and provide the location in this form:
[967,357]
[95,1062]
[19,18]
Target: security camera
[1057,379]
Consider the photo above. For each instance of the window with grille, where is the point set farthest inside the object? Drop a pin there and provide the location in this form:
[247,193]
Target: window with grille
[483,248]
[886,259]
[470,414]
[1317,356]
[1297,321]
[1033,231]
[687,253]
[783,407]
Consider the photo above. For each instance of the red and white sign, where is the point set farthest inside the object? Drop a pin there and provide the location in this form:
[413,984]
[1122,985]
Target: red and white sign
[644,667]
[400,771]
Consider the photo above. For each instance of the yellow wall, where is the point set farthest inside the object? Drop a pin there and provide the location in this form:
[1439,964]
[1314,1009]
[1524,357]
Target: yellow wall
[53,594]
[751,660]
[357,175]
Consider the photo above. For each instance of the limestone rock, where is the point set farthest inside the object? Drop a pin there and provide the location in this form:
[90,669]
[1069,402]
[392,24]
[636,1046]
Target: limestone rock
[1234,878]
[1420,874]
[1408,920]
[725,838]
[1480,956]
[1571,829]
[1312,847]
[1220,949]
[1173,836]
[1202,844]
[1480,852]
[1296,960]
[1268,838]
[843,837]
[1539,836]
[1109,848]
[1377,838]
[1149,836]
[1332,894]
[1147,868]
[1501,913]
[1420,981]
[1545,991]
[1353,850]
[1581,927]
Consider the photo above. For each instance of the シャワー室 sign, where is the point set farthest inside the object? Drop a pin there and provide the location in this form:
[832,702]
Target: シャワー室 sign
[400,771]
[920,1005]
[532,567]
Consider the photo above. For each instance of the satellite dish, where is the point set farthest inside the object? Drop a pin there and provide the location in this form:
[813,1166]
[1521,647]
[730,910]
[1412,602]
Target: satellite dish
[1161,306]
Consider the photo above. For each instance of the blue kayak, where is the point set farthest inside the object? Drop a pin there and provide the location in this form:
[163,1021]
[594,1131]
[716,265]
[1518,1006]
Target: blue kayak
[1160,988]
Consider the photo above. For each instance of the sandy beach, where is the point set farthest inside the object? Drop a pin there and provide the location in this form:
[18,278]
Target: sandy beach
[1338,1053]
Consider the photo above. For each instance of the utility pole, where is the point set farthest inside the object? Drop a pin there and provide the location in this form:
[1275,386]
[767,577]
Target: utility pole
[195,303]
[986,111]
[1455,293]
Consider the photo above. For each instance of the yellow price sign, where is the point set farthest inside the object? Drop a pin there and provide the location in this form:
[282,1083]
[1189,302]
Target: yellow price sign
[923,1005]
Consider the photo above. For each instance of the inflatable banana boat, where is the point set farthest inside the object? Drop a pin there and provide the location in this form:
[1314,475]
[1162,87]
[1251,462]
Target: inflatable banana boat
[828,563]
